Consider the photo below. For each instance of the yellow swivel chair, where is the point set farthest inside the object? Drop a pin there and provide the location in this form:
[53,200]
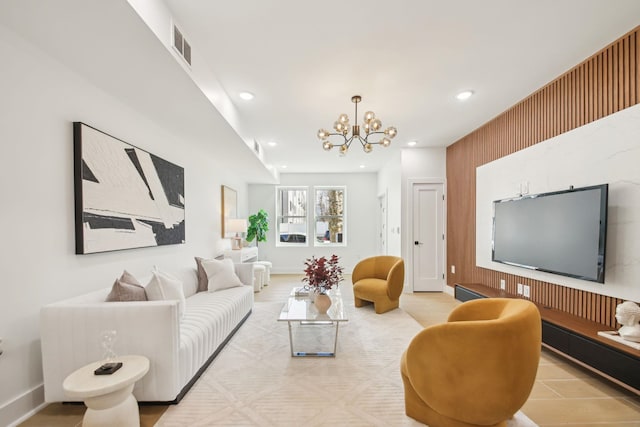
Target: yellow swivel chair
[379,280]
[475,370]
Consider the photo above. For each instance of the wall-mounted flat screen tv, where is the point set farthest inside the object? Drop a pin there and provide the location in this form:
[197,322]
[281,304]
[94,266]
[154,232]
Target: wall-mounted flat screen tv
[563,232]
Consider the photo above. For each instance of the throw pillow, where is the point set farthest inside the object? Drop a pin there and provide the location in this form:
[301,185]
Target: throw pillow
[126,288]
[128,278]
[203,282]
[220,274]
[164,287]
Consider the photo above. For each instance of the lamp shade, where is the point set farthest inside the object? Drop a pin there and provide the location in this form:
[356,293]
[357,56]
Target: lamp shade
[236,225]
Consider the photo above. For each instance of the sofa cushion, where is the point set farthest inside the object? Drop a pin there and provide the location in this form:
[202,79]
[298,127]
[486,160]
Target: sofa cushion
[209,319]
[126,288]
[163,286]
[220,274]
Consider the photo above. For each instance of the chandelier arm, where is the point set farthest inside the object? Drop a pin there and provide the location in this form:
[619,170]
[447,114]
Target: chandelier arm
[373,133]
[349,141]
[337,134]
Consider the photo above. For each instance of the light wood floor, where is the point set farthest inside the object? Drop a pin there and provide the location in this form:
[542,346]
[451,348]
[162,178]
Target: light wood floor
[564,394]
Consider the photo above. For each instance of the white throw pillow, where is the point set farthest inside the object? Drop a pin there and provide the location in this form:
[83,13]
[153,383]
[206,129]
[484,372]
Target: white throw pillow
[164,287]
[220,274]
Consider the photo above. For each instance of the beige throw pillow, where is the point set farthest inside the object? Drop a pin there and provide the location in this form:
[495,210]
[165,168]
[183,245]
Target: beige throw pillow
[164,287]
[126,288]
[220,274]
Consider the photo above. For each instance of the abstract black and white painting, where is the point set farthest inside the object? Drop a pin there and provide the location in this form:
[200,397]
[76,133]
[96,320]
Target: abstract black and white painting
[125,197]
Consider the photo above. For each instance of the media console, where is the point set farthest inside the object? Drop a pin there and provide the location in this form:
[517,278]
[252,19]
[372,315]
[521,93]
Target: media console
[576,339]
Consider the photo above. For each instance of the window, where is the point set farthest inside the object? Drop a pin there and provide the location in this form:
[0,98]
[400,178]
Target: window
[329,216]
[328,224]
[291,216]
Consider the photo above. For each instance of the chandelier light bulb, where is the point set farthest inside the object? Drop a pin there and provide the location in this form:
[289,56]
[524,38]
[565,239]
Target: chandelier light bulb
[344,149]
[385,142]
[343,118]
[322,134]
[327,145]
[368,116]
[391,132]
[367,147]
[376,124]
[337,126]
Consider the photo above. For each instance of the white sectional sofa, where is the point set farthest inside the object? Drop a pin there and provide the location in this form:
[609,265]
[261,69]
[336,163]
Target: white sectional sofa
[179,349]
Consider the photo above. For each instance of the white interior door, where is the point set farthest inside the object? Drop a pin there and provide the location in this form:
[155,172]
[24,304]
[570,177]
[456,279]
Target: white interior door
[428,237]
[382,224]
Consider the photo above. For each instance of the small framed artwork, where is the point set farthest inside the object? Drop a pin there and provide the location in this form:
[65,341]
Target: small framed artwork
[125,197]
[229,207]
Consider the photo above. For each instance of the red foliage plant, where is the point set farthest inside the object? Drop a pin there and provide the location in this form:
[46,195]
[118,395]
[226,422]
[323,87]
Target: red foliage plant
[322,274]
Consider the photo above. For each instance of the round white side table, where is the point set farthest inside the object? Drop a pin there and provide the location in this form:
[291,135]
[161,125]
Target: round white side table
[108,397]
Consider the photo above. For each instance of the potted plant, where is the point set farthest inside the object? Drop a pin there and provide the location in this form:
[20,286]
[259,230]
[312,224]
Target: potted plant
[321,275]
[258,227]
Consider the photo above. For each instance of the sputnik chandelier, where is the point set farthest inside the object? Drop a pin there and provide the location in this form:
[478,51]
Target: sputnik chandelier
[372,126]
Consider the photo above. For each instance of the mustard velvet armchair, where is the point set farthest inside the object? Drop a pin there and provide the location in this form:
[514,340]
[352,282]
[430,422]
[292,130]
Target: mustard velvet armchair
[475,370]
[379,280]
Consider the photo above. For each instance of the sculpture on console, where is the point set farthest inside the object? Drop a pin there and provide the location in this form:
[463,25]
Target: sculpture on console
[628,315]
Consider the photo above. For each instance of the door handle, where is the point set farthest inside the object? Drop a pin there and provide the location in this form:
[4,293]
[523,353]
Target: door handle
[417,243]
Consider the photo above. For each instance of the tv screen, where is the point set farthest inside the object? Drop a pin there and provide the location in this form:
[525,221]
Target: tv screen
[562,232]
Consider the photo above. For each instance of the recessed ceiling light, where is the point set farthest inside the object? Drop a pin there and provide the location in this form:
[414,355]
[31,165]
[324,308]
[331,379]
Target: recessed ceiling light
[411,143]
[283,166]
[272,143]
[466,94]
[247,96]
[362,166]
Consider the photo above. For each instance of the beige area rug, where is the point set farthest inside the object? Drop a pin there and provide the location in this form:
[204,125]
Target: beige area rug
[254,381]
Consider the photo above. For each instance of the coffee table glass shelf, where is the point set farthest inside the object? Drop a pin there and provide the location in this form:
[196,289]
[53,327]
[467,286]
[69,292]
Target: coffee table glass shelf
[309,327]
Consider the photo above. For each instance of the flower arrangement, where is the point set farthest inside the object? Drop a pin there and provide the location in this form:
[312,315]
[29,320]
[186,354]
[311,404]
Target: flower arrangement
[322,274]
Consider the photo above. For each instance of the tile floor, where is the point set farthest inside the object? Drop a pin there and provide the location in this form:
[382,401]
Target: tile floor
[564,394]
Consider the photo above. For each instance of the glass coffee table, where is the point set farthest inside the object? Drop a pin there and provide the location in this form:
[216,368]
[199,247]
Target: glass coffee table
[307,325]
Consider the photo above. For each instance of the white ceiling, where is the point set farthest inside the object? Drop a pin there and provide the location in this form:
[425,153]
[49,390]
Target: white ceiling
[407,59]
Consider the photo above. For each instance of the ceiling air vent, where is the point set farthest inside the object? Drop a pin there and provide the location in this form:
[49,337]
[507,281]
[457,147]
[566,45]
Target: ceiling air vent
[181,45]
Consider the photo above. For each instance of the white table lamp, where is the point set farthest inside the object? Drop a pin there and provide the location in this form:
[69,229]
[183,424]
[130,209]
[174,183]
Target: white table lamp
[236,225]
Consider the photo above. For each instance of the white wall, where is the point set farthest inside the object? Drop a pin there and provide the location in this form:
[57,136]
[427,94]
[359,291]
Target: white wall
[361,220]
[390,182]
[421,164]
[605,151]
[40,100]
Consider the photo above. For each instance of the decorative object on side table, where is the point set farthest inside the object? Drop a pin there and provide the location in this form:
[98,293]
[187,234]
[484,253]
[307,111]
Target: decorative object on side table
[236,225]
[628,315]
[321,275]
[258,227]
[108,340]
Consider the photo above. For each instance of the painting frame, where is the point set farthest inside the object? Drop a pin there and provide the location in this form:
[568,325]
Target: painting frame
[229,206]
[125,197]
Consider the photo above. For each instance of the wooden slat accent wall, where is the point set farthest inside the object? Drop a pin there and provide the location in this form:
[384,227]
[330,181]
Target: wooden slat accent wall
[607,82]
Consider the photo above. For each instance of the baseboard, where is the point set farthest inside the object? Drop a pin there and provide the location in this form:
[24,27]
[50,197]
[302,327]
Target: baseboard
[298,272]
[448,290]
[22,407]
